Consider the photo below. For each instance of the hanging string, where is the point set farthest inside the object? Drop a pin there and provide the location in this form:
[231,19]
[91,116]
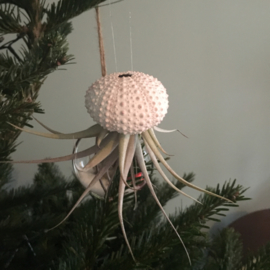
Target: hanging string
[101,44]
[130,41]
[113,39]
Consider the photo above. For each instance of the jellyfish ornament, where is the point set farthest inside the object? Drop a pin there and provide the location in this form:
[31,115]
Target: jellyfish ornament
[127,108]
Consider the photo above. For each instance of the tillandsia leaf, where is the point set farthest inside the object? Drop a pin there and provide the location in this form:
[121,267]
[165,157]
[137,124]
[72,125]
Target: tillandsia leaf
[169,131]
[88,133]
[123,144]
[107,146]
[101,136]
[154,138]
[107,164]
[86,177]
[153,158]
[153,147]
[140,159]
[134,184]
[130,151]
[84,153]
[49,129]
[164,130]
[121,193]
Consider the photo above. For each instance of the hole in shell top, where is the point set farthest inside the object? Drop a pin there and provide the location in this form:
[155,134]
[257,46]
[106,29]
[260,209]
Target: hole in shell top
[124,75]
[127,102]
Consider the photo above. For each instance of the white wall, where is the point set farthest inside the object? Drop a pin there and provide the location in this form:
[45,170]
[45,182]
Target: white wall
[214,59]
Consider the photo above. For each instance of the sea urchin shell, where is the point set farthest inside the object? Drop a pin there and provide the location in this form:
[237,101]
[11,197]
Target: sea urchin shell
[128,103]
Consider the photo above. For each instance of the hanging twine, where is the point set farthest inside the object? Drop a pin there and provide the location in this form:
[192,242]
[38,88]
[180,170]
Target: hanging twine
[101,44]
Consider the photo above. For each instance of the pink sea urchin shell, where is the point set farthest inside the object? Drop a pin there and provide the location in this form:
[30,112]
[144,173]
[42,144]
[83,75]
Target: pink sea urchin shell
[127,102]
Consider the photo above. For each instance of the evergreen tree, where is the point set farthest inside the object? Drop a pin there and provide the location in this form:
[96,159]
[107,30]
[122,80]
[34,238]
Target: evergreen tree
[42,30]
[91,238]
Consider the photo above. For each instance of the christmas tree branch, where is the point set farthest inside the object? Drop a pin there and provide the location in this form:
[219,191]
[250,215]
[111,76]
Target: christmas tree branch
[226,251]
[15,88]
[24,4]
[92,238]
[10,20]
[8,46]
[212,206]
[65,10]
[190,222]
[22,75]
[258,261]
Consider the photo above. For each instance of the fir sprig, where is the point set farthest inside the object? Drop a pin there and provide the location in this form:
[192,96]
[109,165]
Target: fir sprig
[92,239]
[258,261]
[154,242]
[10,19]
[226,251]
[24,4]
[213,206]
[41,31]
[65,10]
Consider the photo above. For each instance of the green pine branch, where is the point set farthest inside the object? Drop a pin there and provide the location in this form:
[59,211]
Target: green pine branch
[258,261]
[212,206]
[92,239]
[43,50]
[6,62]
[30,211]
[24,4]
[226,251]
[65,10]
[156,245]
[17,112]
[30,195]
[44,57]
[10,18]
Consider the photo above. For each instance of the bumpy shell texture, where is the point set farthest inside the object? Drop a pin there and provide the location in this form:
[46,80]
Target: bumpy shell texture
[127,102]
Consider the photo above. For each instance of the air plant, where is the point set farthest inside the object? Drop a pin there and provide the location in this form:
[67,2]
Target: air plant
[127,108]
